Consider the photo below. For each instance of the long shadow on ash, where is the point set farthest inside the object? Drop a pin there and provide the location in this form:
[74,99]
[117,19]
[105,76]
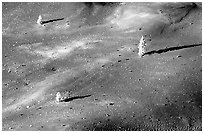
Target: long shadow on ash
[76,97]
[52,20]
[171,49]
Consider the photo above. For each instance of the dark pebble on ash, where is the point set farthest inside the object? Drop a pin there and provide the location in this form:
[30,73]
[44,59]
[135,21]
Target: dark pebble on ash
[53,69]
[179,56]
[111,103]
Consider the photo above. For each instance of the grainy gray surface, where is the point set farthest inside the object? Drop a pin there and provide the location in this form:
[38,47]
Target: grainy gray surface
[88,52]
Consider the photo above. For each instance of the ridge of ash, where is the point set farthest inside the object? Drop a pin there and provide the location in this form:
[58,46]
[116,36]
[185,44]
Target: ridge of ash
[179,13]
[170,49]
[189,9]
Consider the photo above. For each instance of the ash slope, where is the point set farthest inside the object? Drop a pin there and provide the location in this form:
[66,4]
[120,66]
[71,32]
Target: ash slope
[91,56]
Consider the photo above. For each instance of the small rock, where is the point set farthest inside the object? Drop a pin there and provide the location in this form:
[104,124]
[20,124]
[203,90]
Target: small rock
[112,103]
[39,108]
[10,128]
[53,69]
[179,56]
[107,114]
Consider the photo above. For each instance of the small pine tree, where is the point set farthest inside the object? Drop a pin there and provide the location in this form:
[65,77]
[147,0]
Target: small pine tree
[39,21]
[141,47]
[58,97]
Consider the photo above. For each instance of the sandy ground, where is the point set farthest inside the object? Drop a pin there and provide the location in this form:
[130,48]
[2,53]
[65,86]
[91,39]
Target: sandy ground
[91,58]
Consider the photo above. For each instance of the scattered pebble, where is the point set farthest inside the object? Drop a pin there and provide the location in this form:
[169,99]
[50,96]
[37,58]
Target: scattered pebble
[112,103]
[53,69]
[107,114]
[10,128]
[179,56]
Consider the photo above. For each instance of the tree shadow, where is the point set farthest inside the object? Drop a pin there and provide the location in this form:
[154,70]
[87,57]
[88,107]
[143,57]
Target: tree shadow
[52,20]
[75,97]
[170,49]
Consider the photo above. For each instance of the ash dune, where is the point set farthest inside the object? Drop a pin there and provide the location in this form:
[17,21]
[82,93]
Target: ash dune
[89,53]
